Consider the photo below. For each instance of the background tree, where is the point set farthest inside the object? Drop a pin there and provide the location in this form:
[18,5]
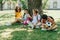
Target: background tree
[1,5]
[23,5]
[35,4]
[44,4]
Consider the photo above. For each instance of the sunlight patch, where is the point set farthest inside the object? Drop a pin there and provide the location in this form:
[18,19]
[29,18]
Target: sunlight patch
[6,33]
[30,30]
[58,32]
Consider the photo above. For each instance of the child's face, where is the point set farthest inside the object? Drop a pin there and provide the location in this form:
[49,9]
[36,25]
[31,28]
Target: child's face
[34,13]
[26,11]
[18,9]
[44,20]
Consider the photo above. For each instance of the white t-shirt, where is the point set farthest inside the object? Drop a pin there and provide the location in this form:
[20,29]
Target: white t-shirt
[26,16]
[36,18]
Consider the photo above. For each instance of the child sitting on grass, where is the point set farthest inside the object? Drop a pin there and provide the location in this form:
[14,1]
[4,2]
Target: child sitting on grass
[26,17]
[48,23]
[18,14]
[35,19]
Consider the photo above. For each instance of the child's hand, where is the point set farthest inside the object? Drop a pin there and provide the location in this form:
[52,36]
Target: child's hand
[29,16]
[39,23]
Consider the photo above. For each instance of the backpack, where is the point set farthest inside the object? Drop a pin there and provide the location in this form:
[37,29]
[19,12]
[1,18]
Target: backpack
[38,16]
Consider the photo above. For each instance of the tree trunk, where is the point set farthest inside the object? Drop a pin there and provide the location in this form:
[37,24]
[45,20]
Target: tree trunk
[1,5]
[35,4]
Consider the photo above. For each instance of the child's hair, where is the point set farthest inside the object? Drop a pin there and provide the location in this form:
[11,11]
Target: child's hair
[24,12]
[51,17]
[26,9]
[35,10]
[44,16]
[16,9]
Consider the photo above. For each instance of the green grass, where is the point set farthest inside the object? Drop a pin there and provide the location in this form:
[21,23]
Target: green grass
[16,25]
[36,34]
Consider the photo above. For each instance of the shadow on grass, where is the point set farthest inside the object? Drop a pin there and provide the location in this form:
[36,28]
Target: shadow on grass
[15,25]
[36,34]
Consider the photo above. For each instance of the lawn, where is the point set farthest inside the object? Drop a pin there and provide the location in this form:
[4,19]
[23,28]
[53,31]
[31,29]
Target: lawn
[16,32]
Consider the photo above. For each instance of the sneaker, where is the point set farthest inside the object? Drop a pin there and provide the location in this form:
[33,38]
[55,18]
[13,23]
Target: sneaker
[32,27]
[37,26]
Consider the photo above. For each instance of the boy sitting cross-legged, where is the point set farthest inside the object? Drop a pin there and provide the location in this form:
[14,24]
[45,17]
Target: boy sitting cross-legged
[48,23]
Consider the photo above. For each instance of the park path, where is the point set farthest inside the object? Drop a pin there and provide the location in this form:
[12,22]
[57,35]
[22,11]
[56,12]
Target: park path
[6,11]
[54,13]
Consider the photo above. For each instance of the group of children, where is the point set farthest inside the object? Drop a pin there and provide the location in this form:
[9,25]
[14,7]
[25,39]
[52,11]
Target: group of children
[36,20]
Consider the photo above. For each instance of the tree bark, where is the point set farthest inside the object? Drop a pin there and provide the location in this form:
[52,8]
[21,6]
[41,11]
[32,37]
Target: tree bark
[1,5]
[35,4]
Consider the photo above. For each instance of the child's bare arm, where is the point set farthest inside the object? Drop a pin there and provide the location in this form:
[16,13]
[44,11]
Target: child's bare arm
[30,16]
